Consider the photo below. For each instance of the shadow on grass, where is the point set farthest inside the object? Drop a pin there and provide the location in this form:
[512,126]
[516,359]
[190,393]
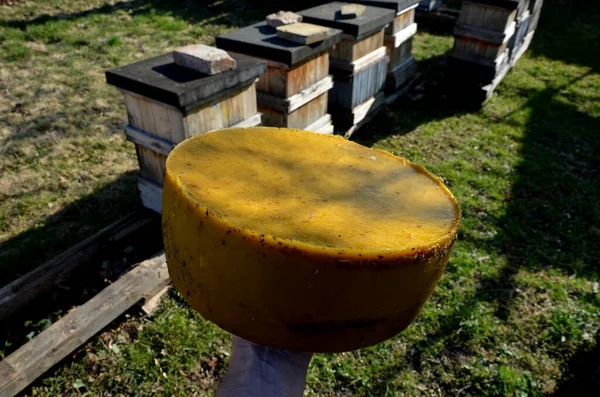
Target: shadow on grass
[550,223]
[583,374]
[568,31]
[231,13]
[74,223]
[552,212]
[59,232]
[228,12]
[429,100]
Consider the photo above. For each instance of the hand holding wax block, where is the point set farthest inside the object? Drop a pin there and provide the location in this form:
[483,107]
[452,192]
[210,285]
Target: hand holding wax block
[303,241]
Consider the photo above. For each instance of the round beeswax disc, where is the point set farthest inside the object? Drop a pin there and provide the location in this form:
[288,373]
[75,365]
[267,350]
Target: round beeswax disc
[303,241]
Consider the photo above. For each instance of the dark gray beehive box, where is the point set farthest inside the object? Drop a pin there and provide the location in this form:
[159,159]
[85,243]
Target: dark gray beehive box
[167,103]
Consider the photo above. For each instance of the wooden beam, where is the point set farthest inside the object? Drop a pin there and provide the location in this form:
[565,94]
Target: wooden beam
[152,142]
[252,121]
[296,101]
[152,303]
[524,46]
[321,125]
[360,63]
[32,285]
[308,94]
[59,340]
[402,35]
[490,36]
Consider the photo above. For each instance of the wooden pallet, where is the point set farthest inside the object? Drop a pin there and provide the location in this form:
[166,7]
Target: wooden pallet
[21,368]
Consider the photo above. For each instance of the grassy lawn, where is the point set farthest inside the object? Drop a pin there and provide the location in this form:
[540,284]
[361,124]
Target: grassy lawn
[518,311]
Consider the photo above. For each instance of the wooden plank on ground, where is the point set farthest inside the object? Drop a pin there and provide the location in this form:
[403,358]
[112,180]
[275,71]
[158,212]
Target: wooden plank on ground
[59,340]
[24,290]
[153,302]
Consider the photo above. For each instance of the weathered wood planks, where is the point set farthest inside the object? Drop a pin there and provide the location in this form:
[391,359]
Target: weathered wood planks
[353,88]
[56,342]
[349,49]
[34,284]
[300,118]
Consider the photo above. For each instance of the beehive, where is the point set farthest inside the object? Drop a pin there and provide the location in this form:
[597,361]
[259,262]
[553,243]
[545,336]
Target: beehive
[294,90]
[358,62]
[398,38]
[167,103]
[304,241]
[486,43]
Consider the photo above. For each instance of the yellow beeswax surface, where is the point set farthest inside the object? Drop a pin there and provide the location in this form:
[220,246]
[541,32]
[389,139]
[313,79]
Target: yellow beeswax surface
[314,189]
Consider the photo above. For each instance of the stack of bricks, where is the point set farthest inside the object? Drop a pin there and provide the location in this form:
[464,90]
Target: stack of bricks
[172,97]
[398,40]
[293,93]
[489,35]
[358,63]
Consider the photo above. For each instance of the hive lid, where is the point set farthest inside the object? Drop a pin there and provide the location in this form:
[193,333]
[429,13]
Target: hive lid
[371,20]
[396,5]
[260,40]
[159,78]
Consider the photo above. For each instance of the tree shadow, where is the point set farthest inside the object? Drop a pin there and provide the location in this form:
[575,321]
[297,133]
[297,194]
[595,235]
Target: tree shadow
[429,99]
[583,371]
[67,227]
[550,222]
[568,31]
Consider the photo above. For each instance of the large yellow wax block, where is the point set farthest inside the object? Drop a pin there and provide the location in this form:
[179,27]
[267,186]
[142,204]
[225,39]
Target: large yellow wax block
[304,241]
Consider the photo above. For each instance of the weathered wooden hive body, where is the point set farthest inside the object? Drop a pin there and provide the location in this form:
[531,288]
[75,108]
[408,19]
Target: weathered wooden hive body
[490,38]
[293,92]
[398,39]
[167,103]
[358,63]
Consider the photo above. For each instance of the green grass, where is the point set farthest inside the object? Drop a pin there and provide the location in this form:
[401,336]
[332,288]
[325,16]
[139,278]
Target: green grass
[518,310]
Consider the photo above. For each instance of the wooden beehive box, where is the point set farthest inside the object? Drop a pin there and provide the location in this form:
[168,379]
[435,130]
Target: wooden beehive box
[490,37]
[485,34]
[358,62]
[294,91]
[167,103]
[398,38]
